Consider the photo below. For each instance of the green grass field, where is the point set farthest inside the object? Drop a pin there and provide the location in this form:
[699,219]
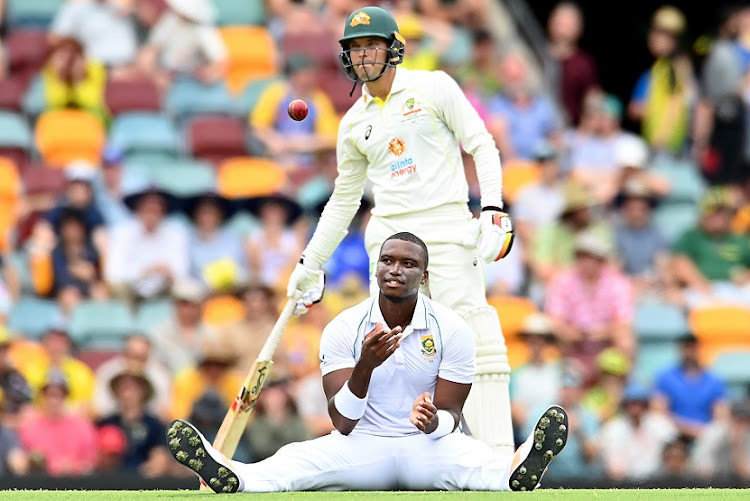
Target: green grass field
[540,495]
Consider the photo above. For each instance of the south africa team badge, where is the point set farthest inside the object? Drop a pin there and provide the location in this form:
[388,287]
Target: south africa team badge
[428,347]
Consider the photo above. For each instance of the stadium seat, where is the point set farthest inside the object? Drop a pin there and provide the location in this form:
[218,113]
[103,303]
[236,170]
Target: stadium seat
[66,135]
[243,223]
[686,183]
[140,94]
[517,175]
[720,329]
[248,177]
[15,131]
[659,321]
[101,324]
[337,87]
[673,219]
[222,310]
[216,138]
[653,357]
[12,90]
[95,358]
[322,47]
[734,369]
[42,179]
[34,103]
[152,313]
[185,178]
[187,97]
[10,193]
[144,132]
[27,50]
[34,13]
[30,316]
[252,55]
[251,94]
[512,311]
[233,13]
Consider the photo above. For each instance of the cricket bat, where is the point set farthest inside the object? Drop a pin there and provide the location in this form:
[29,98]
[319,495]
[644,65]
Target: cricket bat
[235,420]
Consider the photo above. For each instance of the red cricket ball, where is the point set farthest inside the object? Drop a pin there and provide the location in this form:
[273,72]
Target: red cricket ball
[298,109]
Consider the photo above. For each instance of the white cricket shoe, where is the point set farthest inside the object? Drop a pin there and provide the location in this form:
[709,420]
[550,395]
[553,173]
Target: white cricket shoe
[543,445]
[190,447]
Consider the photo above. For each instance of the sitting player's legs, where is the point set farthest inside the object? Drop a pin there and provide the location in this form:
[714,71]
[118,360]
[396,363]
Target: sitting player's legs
[457,281]
[333,462]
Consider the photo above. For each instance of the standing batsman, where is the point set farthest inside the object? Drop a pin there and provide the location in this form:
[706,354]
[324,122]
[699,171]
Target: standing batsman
[396,369]
[405,135]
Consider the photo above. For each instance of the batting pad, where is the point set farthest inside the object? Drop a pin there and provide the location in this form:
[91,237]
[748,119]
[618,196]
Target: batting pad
[487,409]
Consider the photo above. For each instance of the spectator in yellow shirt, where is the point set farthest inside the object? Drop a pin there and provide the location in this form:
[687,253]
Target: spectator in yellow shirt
[58,354]
[296,145]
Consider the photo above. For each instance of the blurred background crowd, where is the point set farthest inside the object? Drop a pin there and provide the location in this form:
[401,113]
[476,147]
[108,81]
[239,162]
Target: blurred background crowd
[155,196]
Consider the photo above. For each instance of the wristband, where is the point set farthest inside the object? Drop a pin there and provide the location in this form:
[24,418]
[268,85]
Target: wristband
[446,424]
[348,404]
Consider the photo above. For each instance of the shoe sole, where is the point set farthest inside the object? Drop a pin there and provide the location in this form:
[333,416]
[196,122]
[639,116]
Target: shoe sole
[550,436]
[186,446]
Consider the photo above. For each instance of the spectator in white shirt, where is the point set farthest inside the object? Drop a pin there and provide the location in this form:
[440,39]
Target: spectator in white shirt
[146,253]
[185,42]
[105,29]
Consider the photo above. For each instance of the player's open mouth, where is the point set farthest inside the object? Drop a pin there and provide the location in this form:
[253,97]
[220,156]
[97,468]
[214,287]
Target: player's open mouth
[393,282]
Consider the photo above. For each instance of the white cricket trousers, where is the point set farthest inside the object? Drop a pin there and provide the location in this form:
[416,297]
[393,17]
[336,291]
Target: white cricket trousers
[360,461]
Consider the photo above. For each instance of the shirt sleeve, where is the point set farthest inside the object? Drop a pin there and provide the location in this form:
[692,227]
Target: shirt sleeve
[264,113]
[327,122]
[211,43]
[64,23]
[462,118]
[554,304]
[623,299]
[336,347]
[458,361]
[345,200]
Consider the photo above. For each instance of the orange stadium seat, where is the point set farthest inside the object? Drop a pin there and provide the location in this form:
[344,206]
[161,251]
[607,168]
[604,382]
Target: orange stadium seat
[222,310]
[216,138]
[720,329]
[66,135]
[10,190]
[512,310]
[517,175]
[246,177]
[252,55]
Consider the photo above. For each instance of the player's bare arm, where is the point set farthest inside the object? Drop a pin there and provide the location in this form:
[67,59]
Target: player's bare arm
[378,345]
[449,397]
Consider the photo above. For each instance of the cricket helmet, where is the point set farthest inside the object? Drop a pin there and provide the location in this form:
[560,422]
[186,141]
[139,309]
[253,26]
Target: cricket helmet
[371,22]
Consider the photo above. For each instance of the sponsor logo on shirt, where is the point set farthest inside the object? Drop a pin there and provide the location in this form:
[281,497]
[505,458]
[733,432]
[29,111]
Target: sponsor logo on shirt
[428,347]
[397,146]
[402,167]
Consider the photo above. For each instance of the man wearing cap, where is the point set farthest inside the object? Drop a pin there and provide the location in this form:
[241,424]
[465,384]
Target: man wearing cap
[177,339]
[405,135]
[296,144]
[712,262]
[553,249]
[60,441]
[591,303]
[635,439]
[642,247]
[145,451]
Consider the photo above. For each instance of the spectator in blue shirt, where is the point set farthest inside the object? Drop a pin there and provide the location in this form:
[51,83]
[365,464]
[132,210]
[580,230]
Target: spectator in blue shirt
[692,395]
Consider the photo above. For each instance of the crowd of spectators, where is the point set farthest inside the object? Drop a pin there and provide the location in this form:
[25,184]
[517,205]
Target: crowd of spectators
[128,297]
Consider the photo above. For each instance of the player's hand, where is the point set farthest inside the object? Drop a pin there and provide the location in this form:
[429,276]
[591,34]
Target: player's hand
[308,283]
[493,233]
[423,413]
[379,344]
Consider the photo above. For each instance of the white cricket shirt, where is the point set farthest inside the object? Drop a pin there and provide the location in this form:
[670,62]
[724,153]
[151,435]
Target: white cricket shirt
[409,147]
[437,343]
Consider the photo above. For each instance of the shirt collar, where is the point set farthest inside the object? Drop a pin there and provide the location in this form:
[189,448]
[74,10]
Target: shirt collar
[418,320]
[399,84]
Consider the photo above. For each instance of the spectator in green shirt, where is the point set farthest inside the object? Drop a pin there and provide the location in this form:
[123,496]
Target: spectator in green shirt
[712,262]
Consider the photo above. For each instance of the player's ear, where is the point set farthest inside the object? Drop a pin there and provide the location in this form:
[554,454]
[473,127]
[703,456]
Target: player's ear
[425,276]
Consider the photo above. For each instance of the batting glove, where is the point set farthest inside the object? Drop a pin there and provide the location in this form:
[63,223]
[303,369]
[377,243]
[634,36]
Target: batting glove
[493,232]
[308,283]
